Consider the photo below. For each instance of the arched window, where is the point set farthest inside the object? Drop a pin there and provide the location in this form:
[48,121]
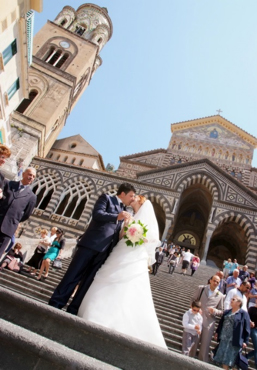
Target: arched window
[50,155]
[80,30]
[73,200]
[43,187]
[62,60]
[63,22]
[232,173]
[26,102]
[73,160]
[233,157]
[239,176]
[81,162]
[49,54]
[65,159]
[58,157]
[56,57]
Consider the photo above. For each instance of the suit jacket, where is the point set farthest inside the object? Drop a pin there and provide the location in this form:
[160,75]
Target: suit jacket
[16,207]
[103,230]
[159,257]
[1,181]
[241,327]
[216,301]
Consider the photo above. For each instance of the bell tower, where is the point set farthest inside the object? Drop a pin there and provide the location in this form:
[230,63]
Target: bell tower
[65,57]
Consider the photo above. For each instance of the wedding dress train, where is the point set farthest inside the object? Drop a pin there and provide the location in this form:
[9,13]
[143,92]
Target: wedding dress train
[120,297]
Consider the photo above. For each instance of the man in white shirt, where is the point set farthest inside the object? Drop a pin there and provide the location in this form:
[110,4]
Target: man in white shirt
[186,260]
[242,291]
[233,281]
[212,305]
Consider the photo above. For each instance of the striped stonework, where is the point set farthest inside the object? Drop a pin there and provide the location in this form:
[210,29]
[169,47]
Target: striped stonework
[249,230]
[202,179]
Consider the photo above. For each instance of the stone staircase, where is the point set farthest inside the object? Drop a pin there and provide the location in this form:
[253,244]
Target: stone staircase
[23,309]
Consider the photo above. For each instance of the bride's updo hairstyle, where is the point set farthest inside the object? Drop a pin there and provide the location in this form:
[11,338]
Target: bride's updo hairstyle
[142,199]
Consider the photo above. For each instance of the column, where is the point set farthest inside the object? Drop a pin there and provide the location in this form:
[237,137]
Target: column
[166,229]
[206,247]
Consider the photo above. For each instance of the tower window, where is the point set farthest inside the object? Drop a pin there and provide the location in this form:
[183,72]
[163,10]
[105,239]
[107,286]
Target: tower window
[63,22]
[62,60]
[81,162]
[80,30]
[65,159]
[56,57]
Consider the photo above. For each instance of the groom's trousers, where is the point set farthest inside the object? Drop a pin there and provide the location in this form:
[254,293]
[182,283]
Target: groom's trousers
[83,267]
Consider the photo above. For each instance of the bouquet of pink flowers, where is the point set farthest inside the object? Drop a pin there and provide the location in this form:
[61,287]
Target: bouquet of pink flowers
[135,233]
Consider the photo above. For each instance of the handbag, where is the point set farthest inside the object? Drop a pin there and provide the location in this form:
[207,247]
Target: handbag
[57,263]
[242,361]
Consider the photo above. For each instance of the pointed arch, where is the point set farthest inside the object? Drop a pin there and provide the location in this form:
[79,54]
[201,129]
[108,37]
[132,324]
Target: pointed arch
[74,198]
[246,224]
[44,187]
[201,178]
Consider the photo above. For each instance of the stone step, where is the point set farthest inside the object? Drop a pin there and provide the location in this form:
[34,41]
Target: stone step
[51,335]
[171,295]
[22,349]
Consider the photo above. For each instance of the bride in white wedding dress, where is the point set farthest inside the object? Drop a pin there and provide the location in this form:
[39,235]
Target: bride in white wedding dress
[120,297]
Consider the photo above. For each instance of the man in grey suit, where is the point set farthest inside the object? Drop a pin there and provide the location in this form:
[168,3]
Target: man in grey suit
[16,206]
[212,301]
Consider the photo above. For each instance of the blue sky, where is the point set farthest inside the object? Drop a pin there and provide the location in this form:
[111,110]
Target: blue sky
[167,61]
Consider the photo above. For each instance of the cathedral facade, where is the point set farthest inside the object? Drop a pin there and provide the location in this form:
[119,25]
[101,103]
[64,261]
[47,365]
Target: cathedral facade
[203,200]
[203,187]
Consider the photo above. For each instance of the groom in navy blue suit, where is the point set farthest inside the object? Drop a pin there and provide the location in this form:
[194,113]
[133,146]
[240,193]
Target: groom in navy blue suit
[94,247]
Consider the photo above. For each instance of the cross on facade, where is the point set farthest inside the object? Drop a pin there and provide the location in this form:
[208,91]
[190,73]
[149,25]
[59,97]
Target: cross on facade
[219,111]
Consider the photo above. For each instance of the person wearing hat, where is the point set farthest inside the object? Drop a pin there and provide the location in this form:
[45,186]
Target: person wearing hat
[55,251]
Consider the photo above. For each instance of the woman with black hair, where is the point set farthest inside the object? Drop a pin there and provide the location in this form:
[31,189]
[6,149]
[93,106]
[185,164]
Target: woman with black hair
[54,252]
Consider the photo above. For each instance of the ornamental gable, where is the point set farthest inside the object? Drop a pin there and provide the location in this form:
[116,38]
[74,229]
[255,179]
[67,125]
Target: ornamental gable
[210,134]
[222,187]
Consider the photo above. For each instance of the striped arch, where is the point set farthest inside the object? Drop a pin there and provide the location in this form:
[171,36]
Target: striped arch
[200,178]
[166,205]
[110,189]
[79,187]
[162,201]
[47,180]
[247,226]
